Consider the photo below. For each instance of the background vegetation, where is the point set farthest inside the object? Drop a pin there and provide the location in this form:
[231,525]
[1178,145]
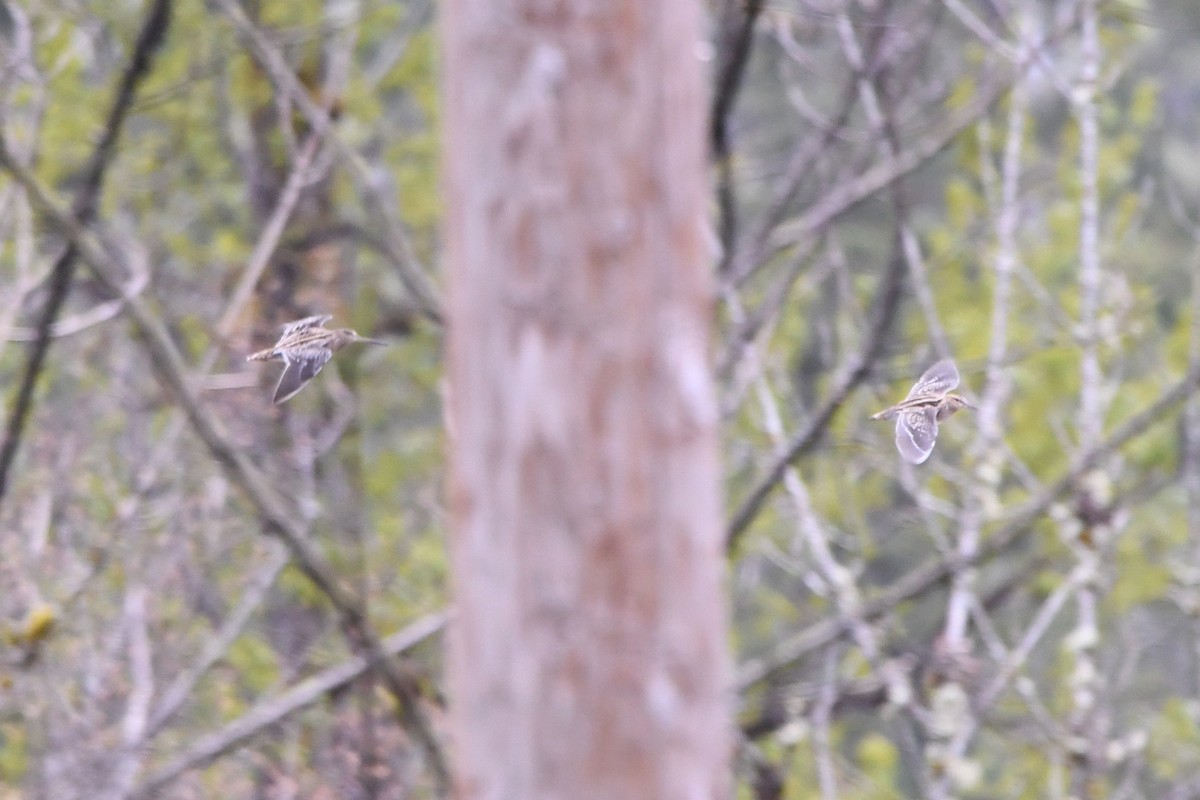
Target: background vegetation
[192,579]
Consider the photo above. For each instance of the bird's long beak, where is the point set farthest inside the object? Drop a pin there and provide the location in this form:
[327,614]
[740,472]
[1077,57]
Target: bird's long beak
[365,340]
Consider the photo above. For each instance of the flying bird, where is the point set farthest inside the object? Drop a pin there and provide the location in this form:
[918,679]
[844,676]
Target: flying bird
[304,347]
[917,416]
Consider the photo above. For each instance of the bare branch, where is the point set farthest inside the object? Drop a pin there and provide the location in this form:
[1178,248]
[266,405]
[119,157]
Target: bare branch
[1086,681]
[1019,524]
[268,240]
[994,392]
[409,269]
[855,371]
[1091,410]
[304,694]
[179,689]
[736,37]
[277,520]
[141,670]
[848,194]
[151,37]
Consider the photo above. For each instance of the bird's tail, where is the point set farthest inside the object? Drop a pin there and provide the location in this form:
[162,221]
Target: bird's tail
[262,355]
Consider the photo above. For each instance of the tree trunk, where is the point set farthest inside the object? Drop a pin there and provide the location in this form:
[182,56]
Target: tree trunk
[588,655]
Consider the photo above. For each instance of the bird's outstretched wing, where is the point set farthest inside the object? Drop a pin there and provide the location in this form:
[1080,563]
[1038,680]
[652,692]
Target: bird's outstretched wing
[942,377]
[306,323]
[916,434]
[300,368]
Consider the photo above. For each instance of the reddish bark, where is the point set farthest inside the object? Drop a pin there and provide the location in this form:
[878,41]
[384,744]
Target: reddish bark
[588,656]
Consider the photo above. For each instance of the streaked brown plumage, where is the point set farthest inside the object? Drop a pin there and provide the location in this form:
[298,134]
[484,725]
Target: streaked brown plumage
[305,346]
[929,402]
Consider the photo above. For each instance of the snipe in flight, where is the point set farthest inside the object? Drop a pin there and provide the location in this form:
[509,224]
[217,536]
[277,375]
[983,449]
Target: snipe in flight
[917,416]
[304,347]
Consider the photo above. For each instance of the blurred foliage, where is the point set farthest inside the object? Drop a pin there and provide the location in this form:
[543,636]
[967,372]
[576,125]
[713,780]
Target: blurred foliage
[114,493]
[122,495]
[882,521]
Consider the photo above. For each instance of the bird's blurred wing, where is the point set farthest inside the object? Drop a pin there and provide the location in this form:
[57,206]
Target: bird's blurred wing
[916,434]
[935,381]
[306,323]
[301,367]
